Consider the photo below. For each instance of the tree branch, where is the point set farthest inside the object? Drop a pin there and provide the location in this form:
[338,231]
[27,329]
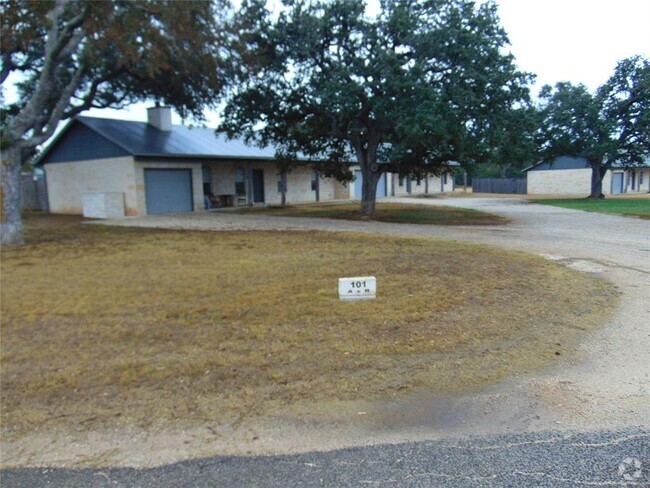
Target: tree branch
[64,41]
[31,117]
[47,129]
[88,100]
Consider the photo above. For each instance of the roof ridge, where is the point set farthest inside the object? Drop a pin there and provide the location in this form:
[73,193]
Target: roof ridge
[142,122]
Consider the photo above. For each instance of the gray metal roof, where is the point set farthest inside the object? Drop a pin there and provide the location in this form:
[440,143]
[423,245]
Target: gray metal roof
[141,139]
[570,162]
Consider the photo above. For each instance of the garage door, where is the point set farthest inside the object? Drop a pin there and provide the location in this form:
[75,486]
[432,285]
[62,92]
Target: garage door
[358,182]
[617,183]
[168,190]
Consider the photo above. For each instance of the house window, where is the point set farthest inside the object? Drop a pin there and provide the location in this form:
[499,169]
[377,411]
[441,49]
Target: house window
[240,182]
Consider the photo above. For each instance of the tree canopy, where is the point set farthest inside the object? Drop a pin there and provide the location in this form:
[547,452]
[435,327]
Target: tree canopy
[419,85]
[610,126]
[66,57]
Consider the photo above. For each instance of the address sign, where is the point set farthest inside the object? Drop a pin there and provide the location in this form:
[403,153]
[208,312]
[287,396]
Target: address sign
[360,288]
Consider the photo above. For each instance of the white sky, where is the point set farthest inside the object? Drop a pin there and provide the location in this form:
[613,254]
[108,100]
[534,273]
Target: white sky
[575,40]
[559,40]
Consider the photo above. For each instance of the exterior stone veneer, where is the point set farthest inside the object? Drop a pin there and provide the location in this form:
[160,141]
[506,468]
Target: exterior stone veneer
[578,181]
[67,182]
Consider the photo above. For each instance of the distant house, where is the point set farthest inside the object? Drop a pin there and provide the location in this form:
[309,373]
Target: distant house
[572,176]
[108,168]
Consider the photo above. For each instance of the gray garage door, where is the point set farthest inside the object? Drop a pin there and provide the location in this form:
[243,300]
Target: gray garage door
[617,183]
[358,182]
[168,190]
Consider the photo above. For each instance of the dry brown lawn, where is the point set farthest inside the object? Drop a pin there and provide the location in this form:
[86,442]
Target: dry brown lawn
[103,327]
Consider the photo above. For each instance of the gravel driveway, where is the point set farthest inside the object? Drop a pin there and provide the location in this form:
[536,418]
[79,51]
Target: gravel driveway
[606,386]
[526,426]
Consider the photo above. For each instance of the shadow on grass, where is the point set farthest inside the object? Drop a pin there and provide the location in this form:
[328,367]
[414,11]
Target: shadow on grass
[386,212]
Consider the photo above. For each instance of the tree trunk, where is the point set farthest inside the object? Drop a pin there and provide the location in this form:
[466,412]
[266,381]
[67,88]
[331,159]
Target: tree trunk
[369,189]
[597,174]
[11,225]
[283,187]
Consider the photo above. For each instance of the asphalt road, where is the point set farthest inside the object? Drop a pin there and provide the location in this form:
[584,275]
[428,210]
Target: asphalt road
[558,460]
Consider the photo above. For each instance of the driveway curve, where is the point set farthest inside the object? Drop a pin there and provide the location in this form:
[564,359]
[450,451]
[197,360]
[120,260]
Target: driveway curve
[606,385]
[584,423]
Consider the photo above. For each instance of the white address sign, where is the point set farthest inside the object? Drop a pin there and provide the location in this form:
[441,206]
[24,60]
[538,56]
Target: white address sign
[361,288]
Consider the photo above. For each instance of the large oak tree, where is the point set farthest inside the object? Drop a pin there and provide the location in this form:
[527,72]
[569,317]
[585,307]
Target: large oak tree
[610,126]
[65,57]
[418,85]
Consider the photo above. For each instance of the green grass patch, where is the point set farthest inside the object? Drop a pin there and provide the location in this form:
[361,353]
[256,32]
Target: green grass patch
[628,207]
[386,212]
[108,326]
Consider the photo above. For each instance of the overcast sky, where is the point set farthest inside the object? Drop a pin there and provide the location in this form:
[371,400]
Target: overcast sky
[559,40]
[575,40]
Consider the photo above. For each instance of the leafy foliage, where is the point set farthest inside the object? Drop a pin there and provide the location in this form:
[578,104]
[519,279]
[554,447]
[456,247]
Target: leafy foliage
[607,127]
[106,54]
[66,57]
[420,85]
[512,144]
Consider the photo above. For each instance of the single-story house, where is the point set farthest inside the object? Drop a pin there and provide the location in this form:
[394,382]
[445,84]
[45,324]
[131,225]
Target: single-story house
[572,176]
[108,168]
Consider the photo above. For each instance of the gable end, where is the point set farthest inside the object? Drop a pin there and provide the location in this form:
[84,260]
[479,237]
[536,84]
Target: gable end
[81,143]
[563,162]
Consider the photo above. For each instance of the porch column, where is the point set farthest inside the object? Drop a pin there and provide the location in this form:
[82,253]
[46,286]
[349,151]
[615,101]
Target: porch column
[249,183]
[316,177]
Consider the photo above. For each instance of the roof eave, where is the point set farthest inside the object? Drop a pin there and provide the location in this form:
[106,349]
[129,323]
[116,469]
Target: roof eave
[223,157]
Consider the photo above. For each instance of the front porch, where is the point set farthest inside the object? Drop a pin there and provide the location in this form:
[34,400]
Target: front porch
[248,183]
